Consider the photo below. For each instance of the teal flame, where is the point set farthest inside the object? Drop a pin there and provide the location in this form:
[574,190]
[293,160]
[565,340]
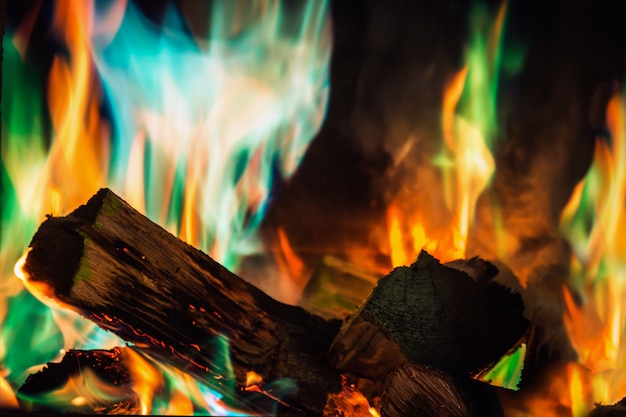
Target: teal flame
[221,120]
[217,118]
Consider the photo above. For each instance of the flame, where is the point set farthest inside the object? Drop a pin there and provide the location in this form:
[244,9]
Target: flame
[465,162]
[290,265]
[252,378]
[349,402]
[7,397]
[205,126]
[592,221]
[564,392]
[190,130]
[145,379]
[82,392]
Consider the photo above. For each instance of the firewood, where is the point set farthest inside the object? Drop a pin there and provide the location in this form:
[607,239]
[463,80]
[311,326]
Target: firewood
[428,314]
[616,410]
[127,274]
[337,288]
[416,390]
[95,381]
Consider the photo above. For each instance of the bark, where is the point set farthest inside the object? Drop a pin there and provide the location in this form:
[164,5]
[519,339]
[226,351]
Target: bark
[130,276]
[428,314]
[415,390]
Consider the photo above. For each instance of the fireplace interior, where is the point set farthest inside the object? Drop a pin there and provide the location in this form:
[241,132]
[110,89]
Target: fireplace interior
[311,148]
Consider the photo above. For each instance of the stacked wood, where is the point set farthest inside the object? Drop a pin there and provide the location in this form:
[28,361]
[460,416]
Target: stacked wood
[127,274]
[428,314]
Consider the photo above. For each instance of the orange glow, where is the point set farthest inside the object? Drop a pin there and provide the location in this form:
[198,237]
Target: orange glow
[252,378]
[145,379]
[350,402]
[466,166]
[290,268]
[79,151]
[179,405]
[7,398]
[594,221]
[294,265]
[399,257]
[565,392]
[82,392]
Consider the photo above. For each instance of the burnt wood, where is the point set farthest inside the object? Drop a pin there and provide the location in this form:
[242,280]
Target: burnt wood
[416,390]
[616,410]
[127,274]
[57,385]
[429,314]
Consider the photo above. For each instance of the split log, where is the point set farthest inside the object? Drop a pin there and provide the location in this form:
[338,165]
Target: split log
[337,288]
[428,314]
[127,274]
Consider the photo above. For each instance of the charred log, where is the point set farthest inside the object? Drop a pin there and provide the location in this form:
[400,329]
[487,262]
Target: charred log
[428,314]
[130,276]
[95,381]
[415,390]
[616,410]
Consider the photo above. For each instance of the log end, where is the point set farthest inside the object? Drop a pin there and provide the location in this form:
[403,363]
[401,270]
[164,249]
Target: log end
[415,390]
[56,248]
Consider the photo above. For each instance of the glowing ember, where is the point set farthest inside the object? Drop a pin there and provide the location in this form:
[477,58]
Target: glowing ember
[349,402]
[252,378]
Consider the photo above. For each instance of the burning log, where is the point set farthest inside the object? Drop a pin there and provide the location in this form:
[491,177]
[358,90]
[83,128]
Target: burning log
[94,381]
[428,314]
[127,274]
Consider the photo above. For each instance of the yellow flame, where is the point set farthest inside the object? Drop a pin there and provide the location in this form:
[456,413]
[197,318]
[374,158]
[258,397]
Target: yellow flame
[7,397]
[350,402]
[252,378]
[467,166]
[145,379]
[399,256]
[596,323]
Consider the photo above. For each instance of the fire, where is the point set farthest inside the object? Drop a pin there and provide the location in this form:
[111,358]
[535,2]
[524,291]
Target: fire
[291,268]
[465,162]
[593,221]
[252,378]
[145,379]
[349,402]
[192,132]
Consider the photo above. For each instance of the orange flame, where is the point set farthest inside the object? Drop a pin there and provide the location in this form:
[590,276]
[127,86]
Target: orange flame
[466,165]
[594,221]
[145,379]
[349,402]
